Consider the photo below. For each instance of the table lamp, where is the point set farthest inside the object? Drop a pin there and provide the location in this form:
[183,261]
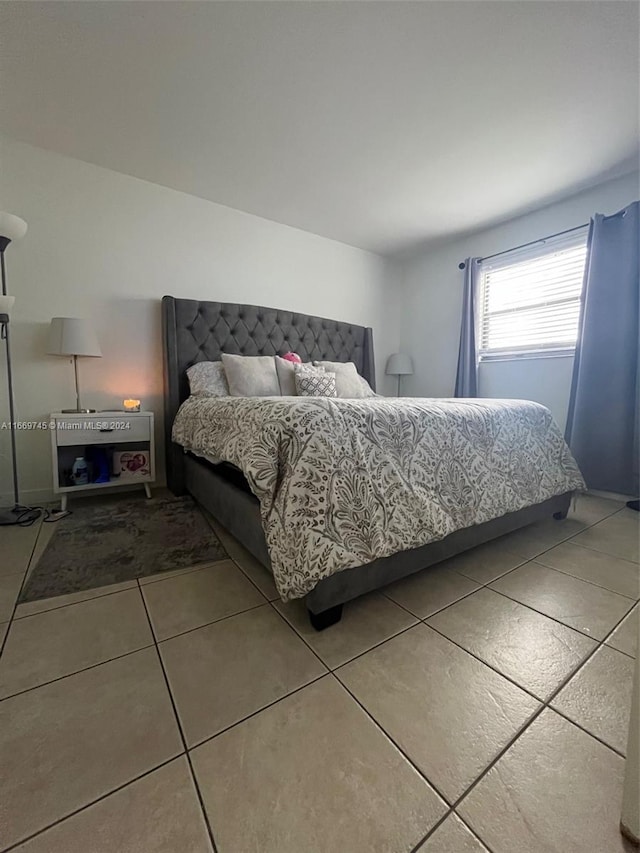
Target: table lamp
[73,337]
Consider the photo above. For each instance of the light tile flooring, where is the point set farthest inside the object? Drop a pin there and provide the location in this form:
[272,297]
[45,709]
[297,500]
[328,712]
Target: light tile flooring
[479,706]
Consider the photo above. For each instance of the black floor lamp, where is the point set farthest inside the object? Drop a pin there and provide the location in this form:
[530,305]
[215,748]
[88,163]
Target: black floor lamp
[11,228]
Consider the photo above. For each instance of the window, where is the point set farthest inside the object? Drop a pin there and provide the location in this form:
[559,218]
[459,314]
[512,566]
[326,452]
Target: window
[530,299]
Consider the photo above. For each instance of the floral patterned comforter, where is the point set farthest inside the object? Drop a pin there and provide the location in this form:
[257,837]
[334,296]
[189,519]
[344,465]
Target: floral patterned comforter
[343,482]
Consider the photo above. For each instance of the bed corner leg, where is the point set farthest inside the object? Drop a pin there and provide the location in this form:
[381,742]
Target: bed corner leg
[326,618]
[560,515]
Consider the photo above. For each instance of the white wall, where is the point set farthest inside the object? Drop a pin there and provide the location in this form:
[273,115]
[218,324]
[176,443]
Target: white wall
[107,246]
[432,303]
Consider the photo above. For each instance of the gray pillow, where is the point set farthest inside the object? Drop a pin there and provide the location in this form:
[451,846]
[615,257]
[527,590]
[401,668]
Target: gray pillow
[349,383]
[307,367]
[251,375]
[315,383]
[208,379]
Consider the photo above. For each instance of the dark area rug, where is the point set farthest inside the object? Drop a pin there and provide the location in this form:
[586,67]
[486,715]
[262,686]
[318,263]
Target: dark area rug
[113,541]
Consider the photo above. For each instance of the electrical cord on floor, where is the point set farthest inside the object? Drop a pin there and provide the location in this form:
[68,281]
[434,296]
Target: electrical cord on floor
[28,515]
[25,516]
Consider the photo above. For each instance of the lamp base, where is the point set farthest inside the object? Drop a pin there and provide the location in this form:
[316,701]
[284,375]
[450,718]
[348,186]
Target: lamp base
[77,411]
[18,515]
[8,516]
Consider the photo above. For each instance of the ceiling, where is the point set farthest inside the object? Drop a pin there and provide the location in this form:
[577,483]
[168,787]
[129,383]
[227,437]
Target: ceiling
[379,124]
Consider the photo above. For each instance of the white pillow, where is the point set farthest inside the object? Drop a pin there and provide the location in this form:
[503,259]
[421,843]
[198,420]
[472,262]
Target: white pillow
[349,383]
[251,375]
[286,377]
[208,379]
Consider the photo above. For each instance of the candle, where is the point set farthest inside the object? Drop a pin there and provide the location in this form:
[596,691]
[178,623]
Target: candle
[131,405]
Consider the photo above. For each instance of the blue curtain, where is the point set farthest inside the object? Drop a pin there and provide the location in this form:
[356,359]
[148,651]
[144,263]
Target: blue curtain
[467,374]
[603,424]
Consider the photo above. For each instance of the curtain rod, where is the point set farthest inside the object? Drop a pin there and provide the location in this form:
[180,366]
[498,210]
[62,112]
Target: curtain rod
[462,264]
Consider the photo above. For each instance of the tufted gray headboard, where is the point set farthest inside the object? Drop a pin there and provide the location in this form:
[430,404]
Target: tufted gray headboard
[200,331]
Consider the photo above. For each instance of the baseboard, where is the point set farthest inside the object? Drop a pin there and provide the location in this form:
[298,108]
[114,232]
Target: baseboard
[612,496]
[28,497]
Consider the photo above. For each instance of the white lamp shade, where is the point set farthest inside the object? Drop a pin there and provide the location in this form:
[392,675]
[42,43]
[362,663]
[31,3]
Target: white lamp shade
[399,364]
[73,336]
[6,304]
[12,227]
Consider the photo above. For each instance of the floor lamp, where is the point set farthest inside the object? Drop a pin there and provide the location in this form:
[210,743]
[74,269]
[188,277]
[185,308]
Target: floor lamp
[11,228]
[399,364]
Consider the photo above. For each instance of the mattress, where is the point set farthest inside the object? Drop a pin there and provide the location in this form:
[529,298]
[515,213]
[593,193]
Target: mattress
[344,482]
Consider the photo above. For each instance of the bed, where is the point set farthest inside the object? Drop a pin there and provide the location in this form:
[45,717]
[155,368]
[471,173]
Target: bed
[215,451]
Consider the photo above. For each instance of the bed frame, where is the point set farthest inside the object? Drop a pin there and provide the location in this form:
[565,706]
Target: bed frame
[201,331]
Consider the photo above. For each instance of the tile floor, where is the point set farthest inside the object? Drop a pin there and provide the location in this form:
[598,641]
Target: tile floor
[479,706]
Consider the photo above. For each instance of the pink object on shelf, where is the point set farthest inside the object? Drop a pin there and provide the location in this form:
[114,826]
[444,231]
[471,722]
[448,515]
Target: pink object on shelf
[292,356]
[131,463]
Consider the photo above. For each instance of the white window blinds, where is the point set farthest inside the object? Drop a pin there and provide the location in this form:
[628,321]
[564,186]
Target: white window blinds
[530,298]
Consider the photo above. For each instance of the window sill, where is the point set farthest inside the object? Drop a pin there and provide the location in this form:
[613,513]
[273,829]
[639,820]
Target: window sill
[533,354]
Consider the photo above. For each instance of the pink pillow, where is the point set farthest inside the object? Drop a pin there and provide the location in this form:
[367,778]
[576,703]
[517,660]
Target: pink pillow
[292,356]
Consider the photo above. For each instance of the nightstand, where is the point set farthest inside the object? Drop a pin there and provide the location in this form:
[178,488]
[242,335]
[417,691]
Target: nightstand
[120,434]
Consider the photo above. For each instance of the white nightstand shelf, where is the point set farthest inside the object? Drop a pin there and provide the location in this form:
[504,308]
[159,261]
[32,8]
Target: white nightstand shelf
[76,434]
